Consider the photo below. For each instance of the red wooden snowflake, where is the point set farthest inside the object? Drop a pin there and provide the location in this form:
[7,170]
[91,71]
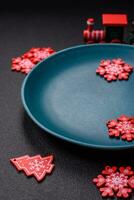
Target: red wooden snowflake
[29,59]
[36,166]
[22,64]
[114,69]
[122,127]
[115,182]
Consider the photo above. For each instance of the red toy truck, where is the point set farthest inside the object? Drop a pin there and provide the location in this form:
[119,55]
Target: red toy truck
[113,30]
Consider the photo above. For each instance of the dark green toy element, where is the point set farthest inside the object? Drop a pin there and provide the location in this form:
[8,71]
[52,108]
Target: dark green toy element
[113,33]
[131,34]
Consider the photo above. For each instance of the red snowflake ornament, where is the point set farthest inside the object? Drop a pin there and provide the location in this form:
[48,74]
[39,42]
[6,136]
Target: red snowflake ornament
[122,127]
[114,69]
[36,166]
[22,64]
[29,59]
[115,182]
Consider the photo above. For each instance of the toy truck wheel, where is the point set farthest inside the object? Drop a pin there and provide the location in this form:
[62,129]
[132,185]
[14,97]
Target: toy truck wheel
[116,41]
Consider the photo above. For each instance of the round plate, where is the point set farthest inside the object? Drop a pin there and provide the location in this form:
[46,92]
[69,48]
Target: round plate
[65,97]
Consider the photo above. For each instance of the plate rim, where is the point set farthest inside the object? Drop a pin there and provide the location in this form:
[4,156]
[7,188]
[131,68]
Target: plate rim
[121,147]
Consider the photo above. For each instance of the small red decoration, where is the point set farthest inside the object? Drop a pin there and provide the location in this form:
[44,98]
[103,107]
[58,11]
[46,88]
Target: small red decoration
[29,59]
[93,36]
[115,182]
[36,166]
[114,69]
[122,127]
[114,19]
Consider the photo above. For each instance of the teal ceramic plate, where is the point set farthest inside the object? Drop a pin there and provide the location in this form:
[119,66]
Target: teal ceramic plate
[64,96]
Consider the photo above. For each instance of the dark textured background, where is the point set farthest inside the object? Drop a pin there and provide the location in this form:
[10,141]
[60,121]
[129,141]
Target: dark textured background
[22,26]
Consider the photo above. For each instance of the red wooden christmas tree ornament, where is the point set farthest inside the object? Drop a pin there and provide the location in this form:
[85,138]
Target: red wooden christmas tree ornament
[36,166]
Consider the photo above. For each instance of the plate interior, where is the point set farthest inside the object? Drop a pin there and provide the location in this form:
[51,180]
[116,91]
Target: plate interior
[64,95]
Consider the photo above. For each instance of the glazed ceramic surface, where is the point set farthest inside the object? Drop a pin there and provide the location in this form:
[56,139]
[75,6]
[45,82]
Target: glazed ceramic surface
[65,97]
